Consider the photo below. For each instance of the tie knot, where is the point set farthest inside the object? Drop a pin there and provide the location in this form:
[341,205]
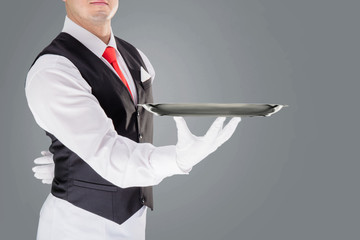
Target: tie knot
[110,54]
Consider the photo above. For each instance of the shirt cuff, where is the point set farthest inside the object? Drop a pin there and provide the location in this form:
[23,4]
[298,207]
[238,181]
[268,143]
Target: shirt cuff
[163,160]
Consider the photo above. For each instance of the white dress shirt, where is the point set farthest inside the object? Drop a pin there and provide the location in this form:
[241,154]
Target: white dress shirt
[63,105]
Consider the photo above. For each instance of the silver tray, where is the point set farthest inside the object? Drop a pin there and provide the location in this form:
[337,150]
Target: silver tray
[212,109]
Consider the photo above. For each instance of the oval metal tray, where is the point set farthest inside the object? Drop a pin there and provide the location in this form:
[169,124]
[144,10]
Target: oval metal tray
[212,109]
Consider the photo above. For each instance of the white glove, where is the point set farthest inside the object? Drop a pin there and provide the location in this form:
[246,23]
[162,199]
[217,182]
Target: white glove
[191,149]
[45,171]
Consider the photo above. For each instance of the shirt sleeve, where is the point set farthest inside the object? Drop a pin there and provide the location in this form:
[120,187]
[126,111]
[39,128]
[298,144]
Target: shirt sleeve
[62,104]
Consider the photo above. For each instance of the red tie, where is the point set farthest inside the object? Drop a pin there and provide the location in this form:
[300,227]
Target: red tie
[110,56]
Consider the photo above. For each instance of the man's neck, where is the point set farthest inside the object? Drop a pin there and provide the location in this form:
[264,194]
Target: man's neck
[101,30]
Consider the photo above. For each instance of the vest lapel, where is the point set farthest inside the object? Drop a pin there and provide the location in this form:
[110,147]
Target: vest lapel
[134,69]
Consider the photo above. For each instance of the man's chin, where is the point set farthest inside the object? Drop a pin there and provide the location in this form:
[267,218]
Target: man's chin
[100,18]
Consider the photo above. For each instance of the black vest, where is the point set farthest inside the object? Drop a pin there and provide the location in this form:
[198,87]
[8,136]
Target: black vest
[75,181]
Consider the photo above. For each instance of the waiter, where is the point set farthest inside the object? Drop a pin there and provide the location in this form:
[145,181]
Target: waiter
[83,90]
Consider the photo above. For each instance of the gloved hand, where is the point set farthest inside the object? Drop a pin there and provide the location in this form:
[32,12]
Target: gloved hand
[191,149]
[45,171]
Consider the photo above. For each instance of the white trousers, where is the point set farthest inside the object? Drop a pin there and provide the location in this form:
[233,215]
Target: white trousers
[61,220]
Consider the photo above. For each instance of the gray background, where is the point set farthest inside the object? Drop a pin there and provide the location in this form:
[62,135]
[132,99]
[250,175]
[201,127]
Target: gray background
[291,176]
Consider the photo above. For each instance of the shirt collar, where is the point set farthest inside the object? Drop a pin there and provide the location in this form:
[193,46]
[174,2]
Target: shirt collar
[89,40]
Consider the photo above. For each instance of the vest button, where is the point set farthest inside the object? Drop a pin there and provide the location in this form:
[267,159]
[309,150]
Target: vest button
[140,136]
[138,113]
[142,200]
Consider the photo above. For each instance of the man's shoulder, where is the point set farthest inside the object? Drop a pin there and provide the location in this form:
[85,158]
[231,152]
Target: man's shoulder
[49,70]
[51,61]
[50,64]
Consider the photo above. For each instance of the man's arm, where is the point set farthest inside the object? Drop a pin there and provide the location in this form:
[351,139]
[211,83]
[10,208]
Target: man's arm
[61,100]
